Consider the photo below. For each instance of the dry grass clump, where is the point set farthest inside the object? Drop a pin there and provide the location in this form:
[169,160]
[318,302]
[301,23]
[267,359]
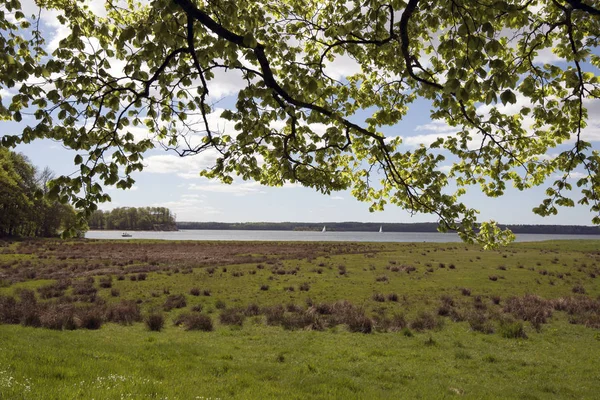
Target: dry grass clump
[174,301]
[155,321]
[530,308]
[194,322]
[426,321]
[232,316]
[126,312]
[54,290]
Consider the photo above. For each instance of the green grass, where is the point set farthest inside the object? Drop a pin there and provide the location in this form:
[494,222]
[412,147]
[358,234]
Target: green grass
[260,361]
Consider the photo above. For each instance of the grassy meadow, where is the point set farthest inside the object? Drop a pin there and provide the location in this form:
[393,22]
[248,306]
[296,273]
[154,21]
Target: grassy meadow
[221,320]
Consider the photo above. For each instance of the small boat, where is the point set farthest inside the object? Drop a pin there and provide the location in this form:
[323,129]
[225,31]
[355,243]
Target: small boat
[125,234]
[380,229]
[324,230]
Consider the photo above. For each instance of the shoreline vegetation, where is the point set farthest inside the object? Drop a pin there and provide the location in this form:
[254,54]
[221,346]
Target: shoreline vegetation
[298,320]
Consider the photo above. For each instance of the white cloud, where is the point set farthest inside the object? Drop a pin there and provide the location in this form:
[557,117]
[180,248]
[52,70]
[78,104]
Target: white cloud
[190,208]
[185,167]
[237,189]
[336,198]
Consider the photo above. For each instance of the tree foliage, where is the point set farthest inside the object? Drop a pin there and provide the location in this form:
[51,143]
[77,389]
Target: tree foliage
[23,209]
[133,218]
[153,65]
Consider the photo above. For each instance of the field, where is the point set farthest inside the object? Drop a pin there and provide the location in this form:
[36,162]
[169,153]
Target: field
[216,320]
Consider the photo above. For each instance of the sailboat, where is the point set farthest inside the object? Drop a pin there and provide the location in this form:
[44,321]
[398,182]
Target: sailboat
[380,229]
[324,230]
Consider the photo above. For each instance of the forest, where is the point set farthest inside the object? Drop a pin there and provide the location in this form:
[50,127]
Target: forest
[24,210]
[133,218]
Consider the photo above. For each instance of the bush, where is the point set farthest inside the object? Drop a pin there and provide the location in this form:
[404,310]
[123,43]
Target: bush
[252,310]
[89,318]
[198,322]
[426,321]
[232,316]
[125,312]
[9,314]
[512,330]
[358,322]
[174,301]
[195,291]
[465,292]
[378,297]
[264,287]
[105,282]
[578,289]
[155,322]
[305,287]
[530,308]
[58,317]
[392,297]
[479,322]
[275,315]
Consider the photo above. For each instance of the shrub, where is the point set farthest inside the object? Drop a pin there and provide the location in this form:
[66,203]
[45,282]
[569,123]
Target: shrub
[496,299]
[89,318]
[382,278]
[141,276]
[512,330]
[305,287]
[58,317]
[578,289]
[252,310]
[397,323]
[232,316]
[493,278]
[530,308]
[174,301]
[197,308]
[479,322]
[264,287]
[105,282]
[198,322]
[378,297]
[465,292]
[220,305]
[392,297]
[275,315]
[115,292]
[359,323]
[125,312]
[195,291]
[425,321]
[206,292]
[155,321]
[9,314]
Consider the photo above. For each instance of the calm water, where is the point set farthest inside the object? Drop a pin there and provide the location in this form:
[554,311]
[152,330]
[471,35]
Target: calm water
[315,236]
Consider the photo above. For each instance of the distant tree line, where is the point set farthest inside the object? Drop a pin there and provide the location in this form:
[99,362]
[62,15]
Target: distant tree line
[374,227]
[133,218]
[24,211]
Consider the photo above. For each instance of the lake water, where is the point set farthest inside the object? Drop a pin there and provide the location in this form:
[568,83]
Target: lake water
[315,236]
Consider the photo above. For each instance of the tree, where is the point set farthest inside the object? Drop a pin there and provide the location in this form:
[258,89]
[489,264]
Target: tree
[294,122]
[23,211]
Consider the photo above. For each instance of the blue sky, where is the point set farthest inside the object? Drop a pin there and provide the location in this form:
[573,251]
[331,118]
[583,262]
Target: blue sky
[174,182]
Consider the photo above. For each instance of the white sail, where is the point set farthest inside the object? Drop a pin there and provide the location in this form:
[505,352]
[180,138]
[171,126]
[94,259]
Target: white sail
[380,229]
[324,230]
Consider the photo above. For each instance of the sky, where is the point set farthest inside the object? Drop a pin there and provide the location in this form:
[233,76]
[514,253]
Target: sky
[174,182]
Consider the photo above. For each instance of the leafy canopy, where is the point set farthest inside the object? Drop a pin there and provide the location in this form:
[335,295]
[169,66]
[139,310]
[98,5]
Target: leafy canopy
[153,64]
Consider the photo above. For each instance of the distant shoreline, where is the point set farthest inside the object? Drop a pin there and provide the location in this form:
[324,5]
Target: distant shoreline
[374,227]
